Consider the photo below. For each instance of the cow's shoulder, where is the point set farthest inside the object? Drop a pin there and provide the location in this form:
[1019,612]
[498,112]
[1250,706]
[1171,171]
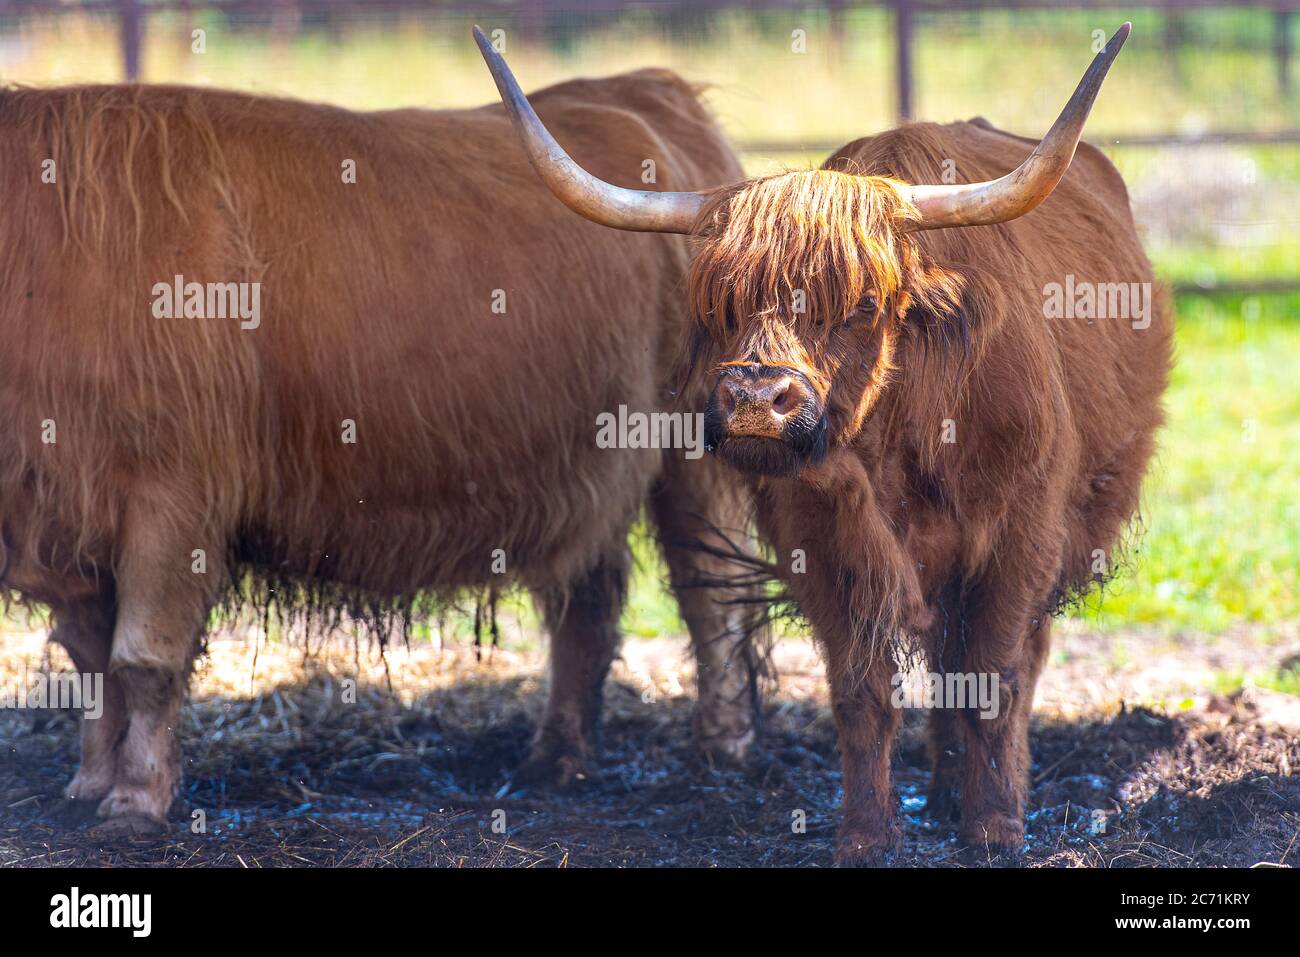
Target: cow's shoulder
[966,151]
[1087,157]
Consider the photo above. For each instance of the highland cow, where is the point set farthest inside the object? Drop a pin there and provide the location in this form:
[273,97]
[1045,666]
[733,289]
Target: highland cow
[937,462]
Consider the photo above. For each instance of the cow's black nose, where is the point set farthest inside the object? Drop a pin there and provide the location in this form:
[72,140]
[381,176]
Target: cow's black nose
[759,402]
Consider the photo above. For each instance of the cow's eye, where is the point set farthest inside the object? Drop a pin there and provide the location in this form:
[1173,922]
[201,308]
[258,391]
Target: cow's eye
[865,309]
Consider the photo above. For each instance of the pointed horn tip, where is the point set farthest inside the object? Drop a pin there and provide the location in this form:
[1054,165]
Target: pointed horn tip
[949,206]
[484,44]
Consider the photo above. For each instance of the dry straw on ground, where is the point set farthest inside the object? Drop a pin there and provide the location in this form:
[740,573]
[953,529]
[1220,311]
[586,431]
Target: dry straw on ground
[413,773]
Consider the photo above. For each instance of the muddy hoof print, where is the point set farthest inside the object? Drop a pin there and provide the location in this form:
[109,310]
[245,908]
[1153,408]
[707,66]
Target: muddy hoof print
[127,827]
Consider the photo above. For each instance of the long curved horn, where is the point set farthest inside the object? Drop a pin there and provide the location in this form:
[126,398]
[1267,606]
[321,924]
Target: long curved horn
[981,204]
[601,202]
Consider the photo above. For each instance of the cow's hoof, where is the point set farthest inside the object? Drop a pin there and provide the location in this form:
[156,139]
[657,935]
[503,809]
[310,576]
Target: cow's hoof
[554,769]
[726,752]
[995,842]
[71,812]
[860,850]
[89,786]
[126,800]
[126,827]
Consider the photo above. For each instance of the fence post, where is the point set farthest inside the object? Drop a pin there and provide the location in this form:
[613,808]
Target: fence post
[903,57]
[1282,40]
[835,27]
[285,19]
[131,29]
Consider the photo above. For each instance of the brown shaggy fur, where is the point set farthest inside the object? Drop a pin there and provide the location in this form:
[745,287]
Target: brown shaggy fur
[475,430]
[962,547]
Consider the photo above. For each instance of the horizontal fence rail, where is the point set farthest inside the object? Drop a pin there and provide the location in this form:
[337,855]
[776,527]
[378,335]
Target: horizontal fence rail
[530,13]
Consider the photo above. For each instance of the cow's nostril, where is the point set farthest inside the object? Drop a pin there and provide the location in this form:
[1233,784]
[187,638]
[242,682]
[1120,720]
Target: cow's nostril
[728,399]
[785,401]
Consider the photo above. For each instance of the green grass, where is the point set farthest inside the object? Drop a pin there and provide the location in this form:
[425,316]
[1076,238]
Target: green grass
[1284,680]
[1222,543]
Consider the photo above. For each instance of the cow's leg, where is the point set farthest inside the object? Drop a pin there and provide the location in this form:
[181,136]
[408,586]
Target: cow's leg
[867,721]
[995,783]
[691,504]
[945,750]
[86,632]
[583,624]
[164,596]
[944,741]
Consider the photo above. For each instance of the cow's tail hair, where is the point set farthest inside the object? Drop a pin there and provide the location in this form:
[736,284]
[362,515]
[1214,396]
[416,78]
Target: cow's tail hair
[749,583]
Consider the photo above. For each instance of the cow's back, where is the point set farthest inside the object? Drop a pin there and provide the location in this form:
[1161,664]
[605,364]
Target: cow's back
[442,310]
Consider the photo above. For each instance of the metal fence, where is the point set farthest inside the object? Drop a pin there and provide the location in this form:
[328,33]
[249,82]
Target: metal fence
[907,20]
[532,14]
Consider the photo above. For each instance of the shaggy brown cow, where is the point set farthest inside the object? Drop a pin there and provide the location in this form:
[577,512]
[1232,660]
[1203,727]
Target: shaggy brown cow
[406,405]
[947,456]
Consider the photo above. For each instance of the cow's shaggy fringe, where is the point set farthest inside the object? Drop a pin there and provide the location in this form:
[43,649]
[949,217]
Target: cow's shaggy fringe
[810,269]
[817,233]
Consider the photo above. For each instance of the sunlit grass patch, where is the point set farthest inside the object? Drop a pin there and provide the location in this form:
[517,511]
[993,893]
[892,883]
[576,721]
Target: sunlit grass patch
[1284,680]
[1222,538]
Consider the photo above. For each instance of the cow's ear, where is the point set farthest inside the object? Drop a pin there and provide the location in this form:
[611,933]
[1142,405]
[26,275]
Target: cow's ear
[938,309]
[932,289]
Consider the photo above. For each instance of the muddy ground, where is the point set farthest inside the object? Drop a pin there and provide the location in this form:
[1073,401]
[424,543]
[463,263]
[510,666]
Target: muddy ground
[416,771]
